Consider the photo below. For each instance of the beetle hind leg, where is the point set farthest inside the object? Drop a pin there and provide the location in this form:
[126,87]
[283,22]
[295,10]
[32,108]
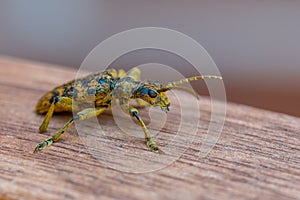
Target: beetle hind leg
[82,115]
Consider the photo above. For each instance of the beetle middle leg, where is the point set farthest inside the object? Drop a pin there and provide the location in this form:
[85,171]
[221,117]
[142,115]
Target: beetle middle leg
[82,115]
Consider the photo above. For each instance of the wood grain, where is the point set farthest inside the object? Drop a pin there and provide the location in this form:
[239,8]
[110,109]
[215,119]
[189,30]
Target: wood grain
[257,155]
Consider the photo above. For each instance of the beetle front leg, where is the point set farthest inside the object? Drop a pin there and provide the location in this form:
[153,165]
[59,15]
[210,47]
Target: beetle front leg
[124,103]
[149,142]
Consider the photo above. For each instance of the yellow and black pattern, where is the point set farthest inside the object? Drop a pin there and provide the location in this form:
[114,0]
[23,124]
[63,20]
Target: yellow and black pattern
[91,95]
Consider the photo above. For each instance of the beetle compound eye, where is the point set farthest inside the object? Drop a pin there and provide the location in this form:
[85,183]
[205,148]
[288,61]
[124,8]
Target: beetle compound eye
[152,94]
[144,91]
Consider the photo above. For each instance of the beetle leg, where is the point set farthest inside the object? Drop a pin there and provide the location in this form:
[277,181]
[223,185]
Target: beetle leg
[43,127]
[149,142]
[134,113]
[64,102]
[82,115]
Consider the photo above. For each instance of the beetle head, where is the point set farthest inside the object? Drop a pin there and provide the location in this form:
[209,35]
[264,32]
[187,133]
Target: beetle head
[154,94]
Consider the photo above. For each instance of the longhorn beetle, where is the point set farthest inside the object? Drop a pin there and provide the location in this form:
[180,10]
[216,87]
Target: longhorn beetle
[91,95]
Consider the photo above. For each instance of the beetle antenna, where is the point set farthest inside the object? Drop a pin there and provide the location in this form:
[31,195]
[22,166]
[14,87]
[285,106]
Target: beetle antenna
[171,85]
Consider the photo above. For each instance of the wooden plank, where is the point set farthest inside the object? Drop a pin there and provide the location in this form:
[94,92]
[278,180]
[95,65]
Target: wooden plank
[256,157]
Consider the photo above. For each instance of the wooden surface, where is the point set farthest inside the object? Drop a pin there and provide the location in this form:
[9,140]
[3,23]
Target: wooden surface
[257,155]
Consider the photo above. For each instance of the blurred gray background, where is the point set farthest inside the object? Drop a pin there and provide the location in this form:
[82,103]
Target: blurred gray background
[255,44]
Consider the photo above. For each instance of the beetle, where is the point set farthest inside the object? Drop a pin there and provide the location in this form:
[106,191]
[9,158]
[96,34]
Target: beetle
[91,95]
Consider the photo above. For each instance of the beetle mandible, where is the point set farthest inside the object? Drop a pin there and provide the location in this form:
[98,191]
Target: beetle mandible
[91,95]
